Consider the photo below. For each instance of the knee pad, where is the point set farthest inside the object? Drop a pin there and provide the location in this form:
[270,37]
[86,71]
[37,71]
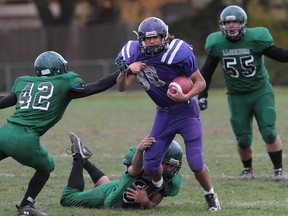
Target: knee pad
[244,141]
[269,135]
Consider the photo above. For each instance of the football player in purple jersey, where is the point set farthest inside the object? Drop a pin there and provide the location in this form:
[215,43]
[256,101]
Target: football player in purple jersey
[154,60]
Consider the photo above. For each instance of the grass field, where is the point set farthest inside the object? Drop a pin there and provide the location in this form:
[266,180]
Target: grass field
[111,122]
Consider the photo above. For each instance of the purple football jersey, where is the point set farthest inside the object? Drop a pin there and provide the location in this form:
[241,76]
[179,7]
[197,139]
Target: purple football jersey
[178,60]
[171,118]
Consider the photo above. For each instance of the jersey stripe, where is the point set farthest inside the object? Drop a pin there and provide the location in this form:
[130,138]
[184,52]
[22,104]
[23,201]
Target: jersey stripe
[173,54]
[167,52]
[127,49]
[175,51]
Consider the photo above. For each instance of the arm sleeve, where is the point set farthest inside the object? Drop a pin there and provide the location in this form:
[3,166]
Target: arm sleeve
[207,72]
[96,87]
[7,101]
[276,53]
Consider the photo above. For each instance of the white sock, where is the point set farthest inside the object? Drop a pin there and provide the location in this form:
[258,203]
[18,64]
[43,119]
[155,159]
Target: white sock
[211,191]
[30,199]
[158,183]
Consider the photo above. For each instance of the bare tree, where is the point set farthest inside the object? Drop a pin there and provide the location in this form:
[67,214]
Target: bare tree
[67,8]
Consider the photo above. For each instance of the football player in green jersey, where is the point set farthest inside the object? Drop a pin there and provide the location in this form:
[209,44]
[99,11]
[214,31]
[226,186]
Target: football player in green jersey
[40,103]
[241,52]
[133,190]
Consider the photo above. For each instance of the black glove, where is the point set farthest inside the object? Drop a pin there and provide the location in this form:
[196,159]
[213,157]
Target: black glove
[203,103]
[121,64]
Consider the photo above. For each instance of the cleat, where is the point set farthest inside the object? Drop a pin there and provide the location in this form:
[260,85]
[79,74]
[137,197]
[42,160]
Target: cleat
[280,175]
[213,202]
[78,147]
[247,173]
[29,210]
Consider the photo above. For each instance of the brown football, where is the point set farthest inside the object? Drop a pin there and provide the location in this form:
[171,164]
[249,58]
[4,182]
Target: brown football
[182,83]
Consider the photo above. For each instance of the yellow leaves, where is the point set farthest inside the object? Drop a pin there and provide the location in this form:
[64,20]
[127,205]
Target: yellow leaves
[133,12]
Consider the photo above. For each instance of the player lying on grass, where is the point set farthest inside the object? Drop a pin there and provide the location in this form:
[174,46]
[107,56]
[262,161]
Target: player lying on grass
[133,190]
[40,103]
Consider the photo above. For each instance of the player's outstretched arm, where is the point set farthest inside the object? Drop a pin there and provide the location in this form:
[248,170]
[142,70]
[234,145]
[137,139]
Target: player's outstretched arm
[127,76]
[7,101]
[100,85]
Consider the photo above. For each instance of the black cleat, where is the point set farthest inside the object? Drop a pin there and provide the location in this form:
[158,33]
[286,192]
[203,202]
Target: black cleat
[78,147]
[247,173]
[280,175]
[29,210]
[213,202]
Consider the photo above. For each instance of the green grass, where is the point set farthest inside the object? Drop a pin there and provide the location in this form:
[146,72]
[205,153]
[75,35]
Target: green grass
[111,122]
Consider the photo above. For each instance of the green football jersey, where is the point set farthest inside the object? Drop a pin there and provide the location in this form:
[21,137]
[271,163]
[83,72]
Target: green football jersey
[42,100]
[242,61]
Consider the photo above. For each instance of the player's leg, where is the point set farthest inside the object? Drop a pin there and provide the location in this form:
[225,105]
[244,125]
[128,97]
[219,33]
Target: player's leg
[192,135]
[3,140]
[75,181]
[77,147]
[97,176]
[74,194]
[241,122]
[29,152]
[153,156]
[266,117]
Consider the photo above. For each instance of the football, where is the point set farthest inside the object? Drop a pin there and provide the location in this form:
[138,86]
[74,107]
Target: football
[181,83]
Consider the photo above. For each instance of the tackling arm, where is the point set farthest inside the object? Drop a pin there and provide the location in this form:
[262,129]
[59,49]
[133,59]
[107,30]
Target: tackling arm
[124,80]
[137,162]
[96,87]
[7,101]
[127,74]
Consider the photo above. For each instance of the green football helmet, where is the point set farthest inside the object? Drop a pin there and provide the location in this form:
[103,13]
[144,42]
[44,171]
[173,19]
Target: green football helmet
[173,156]
[50,63]
[233,13]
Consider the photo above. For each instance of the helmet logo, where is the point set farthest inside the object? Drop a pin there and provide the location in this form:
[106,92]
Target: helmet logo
[173,161]
[151,34]
[230,18]
[45,72]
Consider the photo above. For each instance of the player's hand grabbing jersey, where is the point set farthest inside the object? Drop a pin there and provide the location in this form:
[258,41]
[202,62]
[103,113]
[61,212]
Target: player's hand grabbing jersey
[178,60]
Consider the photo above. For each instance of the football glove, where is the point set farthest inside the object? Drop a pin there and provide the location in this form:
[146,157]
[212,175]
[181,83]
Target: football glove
[121,64]
[203,103]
